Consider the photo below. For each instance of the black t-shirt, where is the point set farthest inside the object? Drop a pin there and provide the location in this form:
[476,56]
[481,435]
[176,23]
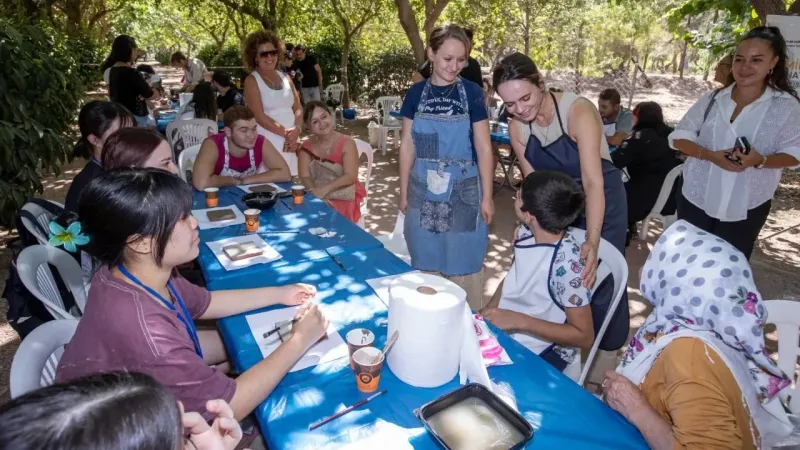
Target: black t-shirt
[89,172]
[231,98]
[471,71]
[128,88]
[306,67]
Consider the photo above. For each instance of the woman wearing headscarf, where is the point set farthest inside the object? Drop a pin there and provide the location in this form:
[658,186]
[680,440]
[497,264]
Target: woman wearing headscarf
[705,380]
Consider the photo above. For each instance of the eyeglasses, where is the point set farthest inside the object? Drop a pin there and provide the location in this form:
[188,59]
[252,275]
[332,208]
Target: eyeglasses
[267,53]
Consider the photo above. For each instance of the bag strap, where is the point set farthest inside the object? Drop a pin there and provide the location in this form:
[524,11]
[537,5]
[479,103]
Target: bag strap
[710,105]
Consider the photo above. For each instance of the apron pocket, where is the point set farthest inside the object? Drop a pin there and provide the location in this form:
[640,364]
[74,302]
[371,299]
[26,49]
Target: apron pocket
[426,145]
[466,200]
[436,217]
[416,192]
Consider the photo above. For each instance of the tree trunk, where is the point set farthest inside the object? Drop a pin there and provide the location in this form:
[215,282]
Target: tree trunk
[526,29]
[644,61]
[685,49]
[343,69]
[674,63]
[766,7]
[72,9]
[408,20]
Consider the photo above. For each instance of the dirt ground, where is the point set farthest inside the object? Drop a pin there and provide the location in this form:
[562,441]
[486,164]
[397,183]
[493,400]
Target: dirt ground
[775,261]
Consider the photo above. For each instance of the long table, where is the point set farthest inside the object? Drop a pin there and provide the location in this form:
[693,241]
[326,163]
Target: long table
[563,414]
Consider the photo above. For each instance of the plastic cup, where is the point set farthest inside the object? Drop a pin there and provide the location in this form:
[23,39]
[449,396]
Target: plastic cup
[298,191]
[212,197]
[356,339]
[251,217]
[368,371]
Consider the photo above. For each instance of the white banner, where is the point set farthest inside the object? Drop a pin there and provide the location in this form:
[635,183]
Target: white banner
[790,29]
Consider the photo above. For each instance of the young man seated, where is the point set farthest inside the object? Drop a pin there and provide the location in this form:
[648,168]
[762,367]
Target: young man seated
[542,301]
[239,155]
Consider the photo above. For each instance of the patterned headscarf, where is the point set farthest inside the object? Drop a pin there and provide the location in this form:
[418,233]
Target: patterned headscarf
[701,285]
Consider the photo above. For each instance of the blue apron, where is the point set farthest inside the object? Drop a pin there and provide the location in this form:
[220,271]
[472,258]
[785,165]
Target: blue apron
[562,156]
[444,229]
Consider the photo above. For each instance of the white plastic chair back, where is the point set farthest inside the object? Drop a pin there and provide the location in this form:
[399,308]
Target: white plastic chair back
[388,123]
[395,242]
[785,314]
[614,261]
[32,265]
[34,365]
[661,201]
[335,92]
[365,149]
[43,218]
[193,132]
[186,160]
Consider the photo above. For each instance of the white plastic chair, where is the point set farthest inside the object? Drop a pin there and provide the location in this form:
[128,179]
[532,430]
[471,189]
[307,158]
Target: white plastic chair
[32,265]
[663,197]
[34,365]
[611,260]
[785,314]
[335,92]
[43,218]
[186,160]
[395,242]
[192,132]
[365,149]
[387,122]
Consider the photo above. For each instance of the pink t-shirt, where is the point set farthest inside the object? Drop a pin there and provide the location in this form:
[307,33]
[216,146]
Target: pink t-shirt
[124,328]
[241,164]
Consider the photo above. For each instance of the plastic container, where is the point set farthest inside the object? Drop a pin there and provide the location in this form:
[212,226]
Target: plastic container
[473,390]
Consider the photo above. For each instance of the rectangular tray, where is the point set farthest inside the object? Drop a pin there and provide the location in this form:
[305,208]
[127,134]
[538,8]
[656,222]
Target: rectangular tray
[427,410]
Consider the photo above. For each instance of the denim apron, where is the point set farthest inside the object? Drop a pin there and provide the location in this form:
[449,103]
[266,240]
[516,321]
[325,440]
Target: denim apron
[562,155]
[444,229]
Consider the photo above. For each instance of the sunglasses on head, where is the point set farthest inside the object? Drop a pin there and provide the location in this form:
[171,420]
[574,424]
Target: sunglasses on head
[267,53]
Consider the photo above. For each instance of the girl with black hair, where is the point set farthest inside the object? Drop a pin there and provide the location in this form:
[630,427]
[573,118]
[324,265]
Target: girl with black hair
[203,104]
[125,84]
[140,313]
[119,410]
[648,158]
[727,191]
[96,121]
[123,49]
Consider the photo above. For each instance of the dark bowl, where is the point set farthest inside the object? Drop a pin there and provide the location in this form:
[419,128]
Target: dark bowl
[260,200]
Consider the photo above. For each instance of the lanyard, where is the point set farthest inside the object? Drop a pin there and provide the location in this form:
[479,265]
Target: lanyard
[186,318]
[96,161]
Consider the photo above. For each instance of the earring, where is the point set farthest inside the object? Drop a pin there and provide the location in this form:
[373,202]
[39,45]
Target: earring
[770,71]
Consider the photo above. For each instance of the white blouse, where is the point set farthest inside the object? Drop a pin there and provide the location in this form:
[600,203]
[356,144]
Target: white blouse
[771,124]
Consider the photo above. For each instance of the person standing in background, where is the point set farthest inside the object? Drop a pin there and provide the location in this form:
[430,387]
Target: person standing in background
[312,74]
[725,191]
[194,70]
[119,52]
[126,85]
[228,94]
[617,121]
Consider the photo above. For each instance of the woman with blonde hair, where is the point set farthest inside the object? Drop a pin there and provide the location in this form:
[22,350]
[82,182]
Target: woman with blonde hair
[271,95]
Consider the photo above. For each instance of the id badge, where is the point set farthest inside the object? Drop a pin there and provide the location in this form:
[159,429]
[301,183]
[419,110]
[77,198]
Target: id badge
[438,184]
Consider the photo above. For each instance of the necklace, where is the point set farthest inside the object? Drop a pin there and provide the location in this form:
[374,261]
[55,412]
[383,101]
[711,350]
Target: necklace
[446,95]
[271,84]
[326,148]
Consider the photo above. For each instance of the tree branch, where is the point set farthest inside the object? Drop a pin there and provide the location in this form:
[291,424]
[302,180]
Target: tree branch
[265,21]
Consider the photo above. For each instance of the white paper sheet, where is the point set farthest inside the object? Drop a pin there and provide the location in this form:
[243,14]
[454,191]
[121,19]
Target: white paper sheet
[381,286]
[246,187]
[205,224]
[323,352]
[269,254]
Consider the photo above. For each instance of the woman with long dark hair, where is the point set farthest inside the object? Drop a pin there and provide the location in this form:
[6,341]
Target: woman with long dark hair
[648,158]
[125,84]
[123,49]
[203,104]
[738,140]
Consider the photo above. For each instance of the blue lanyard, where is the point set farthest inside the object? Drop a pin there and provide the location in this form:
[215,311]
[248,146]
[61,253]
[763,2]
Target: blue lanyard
[96,161]
[186,318]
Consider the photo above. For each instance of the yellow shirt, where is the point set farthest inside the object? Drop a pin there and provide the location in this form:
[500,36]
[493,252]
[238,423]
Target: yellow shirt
[690,387]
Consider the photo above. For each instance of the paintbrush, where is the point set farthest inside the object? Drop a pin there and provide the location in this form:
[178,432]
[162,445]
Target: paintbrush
[322,422]
[279,326]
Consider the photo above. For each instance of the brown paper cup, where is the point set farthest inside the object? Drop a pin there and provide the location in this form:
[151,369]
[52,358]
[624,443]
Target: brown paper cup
[356,339]
[212,197]
[368,373]
[298,191]
[251,217]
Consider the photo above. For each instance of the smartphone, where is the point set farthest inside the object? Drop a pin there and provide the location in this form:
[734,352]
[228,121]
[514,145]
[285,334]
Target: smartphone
[743,145]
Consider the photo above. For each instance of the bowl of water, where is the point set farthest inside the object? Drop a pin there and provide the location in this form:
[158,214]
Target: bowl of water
[260,200]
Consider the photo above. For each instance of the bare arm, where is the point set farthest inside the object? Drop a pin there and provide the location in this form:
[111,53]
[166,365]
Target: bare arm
[617,138]
[203,170]
[483,147]
[518,144]
[252,97]
[350,173]
[236,301]
[297,107]
[319,76]
[588,130]
[277,170]
[303,161]
[577,332]
[407,157]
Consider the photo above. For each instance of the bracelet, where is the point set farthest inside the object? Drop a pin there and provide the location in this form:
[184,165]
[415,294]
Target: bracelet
[762,163]
[700,153]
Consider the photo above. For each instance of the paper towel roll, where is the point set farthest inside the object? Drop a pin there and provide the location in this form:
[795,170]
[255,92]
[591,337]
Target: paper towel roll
[428,313]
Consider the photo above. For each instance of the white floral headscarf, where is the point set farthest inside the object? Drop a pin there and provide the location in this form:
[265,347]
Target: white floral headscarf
[700,284]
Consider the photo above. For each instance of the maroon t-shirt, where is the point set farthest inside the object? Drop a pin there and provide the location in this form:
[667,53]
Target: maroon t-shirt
[124,328]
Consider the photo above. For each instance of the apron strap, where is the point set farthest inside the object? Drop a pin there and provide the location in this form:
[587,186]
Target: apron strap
[558,114]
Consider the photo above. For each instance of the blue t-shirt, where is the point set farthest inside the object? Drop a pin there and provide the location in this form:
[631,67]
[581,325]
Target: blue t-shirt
[439,102]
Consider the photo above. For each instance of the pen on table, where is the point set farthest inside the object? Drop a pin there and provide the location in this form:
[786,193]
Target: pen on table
[322,422]
[275,330]
[339,263]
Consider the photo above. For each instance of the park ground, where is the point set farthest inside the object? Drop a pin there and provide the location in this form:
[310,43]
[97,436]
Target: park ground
[776,260]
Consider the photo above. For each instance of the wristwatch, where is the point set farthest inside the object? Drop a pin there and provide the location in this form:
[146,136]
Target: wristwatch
[762,163]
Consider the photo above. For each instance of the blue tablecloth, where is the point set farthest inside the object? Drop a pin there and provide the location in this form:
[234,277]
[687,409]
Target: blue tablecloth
[563,414]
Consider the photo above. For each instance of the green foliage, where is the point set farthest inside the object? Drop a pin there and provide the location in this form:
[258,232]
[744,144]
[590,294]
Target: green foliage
[230,56]
[728,21]
[39,95]
[329,56]
[388,73]
[162,55]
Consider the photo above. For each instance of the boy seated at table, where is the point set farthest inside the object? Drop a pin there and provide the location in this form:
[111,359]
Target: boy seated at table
[140,314]
[238,155]
[542,301]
